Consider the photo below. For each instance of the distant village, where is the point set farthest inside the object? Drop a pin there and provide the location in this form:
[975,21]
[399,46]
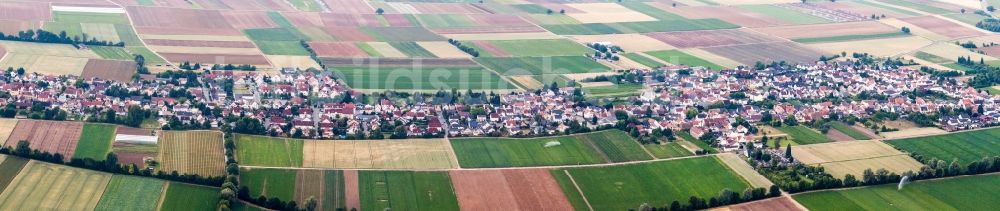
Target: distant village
[723,106]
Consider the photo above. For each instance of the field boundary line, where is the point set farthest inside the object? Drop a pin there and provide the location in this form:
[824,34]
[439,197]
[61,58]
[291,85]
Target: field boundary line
[644,148]
[131,24]
[451,152]
[502,76]
[163,195]
[585,201]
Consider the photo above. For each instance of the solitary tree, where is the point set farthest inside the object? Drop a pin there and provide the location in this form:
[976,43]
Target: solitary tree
[788,151]
[379,11]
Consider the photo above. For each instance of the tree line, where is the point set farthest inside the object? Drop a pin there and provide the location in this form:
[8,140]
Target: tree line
[466,49]
[42,36]
[725,197]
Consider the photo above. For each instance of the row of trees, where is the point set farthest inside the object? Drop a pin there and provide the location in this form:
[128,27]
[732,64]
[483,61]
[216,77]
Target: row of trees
[466,49]
[312,54]
[43,36]
[109,164]
[725,197]
[990,24]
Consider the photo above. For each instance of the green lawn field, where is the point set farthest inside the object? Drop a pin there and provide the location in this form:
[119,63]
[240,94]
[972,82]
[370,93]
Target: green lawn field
[667,150]
[849,131]
[116,53]
[412,49]
[626,187]
[509,152]
[613,90]
[268,151]
[269,182]
[542,65]
[427,78]
[678,58]
[181,196]
[537,48]
[804,135]
[128,193]
[95,143]
[399,190]
[964,193]
[785,14]
[965,146]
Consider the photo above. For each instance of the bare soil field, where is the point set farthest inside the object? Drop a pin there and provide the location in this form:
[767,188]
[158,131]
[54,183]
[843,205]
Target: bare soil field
[435,8]
[6,128]
[709,38]
[600,13]
[352,196]
[195,152]
[943,27]
[249,19]
[337,49]
[350,6]
[501,36]
[311,183]
[47,136]
[382,154]
[767,52]
[134,153]
[773,204]
[349,20]
[524,189]
[877,47]
[14,26]
[25,11]
[348,34]
[109,69]
[216,58]
[304,19]
[159,20]
[199,38]
[828,30]
[490,48]
[443,50]
[711,57]
[853,157]
[301,62]
[386,50]
[628,42]
[836,135]
[200,43]
[729,14]
[398,62]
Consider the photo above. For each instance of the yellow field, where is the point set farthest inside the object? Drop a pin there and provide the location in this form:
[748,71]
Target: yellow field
[743,169]
[527,81]
[195,152]
[43,186]
[302,62]
[47,49]
[915,30]
[952,52]
[853,157]
[53,65]
[386,50]
[877,47]
[101,31]
[911,132]
[628,42]
[606,13]
[380,154]
[6,127]
[443,50]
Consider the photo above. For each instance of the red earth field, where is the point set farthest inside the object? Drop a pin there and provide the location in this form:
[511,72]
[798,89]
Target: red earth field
[773,204]
[522,189]
[352,197]
[47,136]
[109,69]
[828,30]
[337,49]
[201,43]
[942,27]
[25,11]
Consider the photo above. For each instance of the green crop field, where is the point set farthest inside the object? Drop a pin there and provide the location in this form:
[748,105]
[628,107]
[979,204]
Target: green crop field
[127,35]
[616,145]
[9,167]
[127,193]
[531,8]
[95,143]
[269,182]
[537,48]
[626,187]
[368,49]
[850,37]
[680,58]
[646,61]
[964,193]
[89,17]
[402,34]
[181,196]
[849,131]
[411,49]
[667,150]
[788,15]
[292,48]
[651,11]
[613,91]
[151,58]
[116,53]
[272,34]
[804,135]
[398,190]
[701,144]
[427,78]
[542,65]
[931,57]
[267,151]
[509,152]
[964,146]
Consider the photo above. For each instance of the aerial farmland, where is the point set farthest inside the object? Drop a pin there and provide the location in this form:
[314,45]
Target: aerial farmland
[499,104]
